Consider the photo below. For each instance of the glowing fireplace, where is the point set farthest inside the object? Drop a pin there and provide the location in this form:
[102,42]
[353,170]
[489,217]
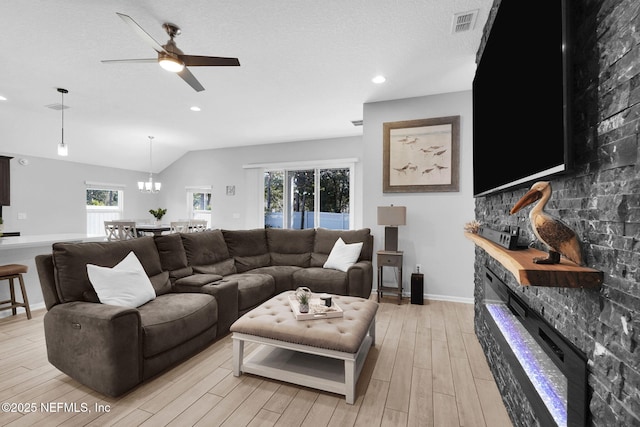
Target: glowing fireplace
[551,371]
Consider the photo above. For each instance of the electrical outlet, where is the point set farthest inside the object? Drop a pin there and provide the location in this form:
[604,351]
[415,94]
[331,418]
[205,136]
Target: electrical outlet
[418,268]
[22,215]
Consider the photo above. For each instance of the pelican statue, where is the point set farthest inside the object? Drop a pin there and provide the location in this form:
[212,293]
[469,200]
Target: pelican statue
[555,234]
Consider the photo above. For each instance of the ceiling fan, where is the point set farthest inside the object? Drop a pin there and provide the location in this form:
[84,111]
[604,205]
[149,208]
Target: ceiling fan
[170,57]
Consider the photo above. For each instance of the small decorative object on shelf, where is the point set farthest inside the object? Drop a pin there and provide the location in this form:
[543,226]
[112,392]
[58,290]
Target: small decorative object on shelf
[303,295]
[158,213]
[472,227]
[551,231]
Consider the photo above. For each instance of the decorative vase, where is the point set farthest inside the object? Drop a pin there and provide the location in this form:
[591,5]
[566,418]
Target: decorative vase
[303,295]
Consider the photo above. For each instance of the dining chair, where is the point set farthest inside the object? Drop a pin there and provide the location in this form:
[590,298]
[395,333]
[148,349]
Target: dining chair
[196,225]
[120,230]
[179,227]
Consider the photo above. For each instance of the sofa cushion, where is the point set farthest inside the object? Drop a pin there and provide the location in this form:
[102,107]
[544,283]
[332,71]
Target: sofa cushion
[343,256]
[248,248]
[171,251]
[71,259]
[173,257]
[205,248]
[282,275]
[290,247]
[325,239]
[169,320]
[320,279]
[253,289]
[125,284]
[246,263]
[222,268]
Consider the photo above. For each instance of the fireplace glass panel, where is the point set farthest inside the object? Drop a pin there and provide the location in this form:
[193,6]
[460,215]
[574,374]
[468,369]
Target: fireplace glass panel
[539,356]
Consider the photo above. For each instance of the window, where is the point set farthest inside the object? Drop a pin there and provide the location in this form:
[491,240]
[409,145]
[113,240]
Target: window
[274,199]
[199,203]
[302,198]
[104,202]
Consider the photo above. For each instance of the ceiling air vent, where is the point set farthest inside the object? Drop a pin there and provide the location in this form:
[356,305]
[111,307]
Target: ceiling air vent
[464,21]
[357,122]
[57,106]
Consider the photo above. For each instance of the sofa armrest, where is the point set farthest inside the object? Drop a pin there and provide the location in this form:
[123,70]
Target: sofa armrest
[226,293]
[194,282]
[360,279]
[98,345]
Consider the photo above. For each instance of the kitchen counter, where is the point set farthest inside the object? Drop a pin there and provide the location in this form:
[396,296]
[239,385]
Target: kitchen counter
[46,240]
[23,250]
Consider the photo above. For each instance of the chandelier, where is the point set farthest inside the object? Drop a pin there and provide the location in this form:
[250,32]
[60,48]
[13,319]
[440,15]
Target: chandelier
[149,186]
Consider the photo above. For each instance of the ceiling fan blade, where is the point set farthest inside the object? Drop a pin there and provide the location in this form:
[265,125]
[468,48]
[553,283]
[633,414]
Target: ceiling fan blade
[142,33]
[191,79]
[115,61]
[196,61]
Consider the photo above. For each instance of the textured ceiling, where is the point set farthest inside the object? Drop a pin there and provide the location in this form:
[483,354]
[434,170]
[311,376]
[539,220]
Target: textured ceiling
[306,69]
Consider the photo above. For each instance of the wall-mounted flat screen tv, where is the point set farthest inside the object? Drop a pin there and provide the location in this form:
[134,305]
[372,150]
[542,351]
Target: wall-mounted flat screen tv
[521,97]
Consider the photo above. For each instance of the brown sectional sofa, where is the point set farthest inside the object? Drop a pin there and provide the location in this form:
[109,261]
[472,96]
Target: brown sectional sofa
[203,282]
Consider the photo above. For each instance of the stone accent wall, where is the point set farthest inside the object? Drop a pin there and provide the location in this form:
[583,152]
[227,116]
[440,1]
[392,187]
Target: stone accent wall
[600,199]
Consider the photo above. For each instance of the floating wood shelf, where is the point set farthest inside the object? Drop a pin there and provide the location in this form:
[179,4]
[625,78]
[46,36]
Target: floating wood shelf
[520,263]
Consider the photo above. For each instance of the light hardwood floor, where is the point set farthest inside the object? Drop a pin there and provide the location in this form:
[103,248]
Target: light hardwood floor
[426,369]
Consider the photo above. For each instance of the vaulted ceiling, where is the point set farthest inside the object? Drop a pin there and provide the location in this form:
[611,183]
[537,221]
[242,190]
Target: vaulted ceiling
[306,70]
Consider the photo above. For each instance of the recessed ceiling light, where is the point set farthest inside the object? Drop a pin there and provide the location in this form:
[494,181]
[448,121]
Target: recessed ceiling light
[194,108]
[379,79]
[2,98]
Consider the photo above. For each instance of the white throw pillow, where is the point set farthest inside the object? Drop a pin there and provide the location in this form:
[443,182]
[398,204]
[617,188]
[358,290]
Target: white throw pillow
[343,256]
[126,284]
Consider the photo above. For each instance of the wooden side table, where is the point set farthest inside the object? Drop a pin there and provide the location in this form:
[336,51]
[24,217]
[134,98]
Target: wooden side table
[390,259]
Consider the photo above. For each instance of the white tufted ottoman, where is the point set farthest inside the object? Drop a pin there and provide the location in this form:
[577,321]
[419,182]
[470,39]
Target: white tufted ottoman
[326,354]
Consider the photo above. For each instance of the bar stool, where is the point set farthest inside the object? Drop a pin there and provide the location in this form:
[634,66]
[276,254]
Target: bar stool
[10,272]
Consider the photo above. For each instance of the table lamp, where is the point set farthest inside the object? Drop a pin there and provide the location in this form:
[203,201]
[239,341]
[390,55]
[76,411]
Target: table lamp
[391,217]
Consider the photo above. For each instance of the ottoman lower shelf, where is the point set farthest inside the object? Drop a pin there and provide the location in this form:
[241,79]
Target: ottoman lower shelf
[322,369]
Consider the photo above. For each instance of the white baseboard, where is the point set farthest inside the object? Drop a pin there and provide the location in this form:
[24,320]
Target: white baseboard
[435,297]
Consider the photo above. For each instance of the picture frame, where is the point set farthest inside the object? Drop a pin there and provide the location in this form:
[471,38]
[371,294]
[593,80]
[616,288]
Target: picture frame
[421,155]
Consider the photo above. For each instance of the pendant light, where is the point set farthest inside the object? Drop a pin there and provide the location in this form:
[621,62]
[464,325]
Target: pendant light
[149,186]
[63,149]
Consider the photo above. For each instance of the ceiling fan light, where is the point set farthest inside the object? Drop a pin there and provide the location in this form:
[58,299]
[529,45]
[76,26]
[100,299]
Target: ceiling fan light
[171,64]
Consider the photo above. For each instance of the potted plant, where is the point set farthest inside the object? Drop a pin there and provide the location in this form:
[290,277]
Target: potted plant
[304,296]
[158,213]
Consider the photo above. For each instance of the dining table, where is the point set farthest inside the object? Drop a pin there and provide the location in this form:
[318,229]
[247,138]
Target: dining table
[156,229]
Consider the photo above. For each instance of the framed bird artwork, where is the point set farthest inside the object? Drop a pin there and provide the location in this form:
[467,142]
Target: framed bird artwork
[421,155]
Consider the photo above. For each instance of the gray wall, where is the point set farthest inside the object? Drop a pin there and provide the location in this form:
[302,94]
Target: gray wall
[433,236]
[51,193]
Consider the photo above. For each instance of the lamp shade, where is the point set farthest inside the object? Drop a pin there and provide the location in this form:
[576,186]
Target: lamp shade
[392,215]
